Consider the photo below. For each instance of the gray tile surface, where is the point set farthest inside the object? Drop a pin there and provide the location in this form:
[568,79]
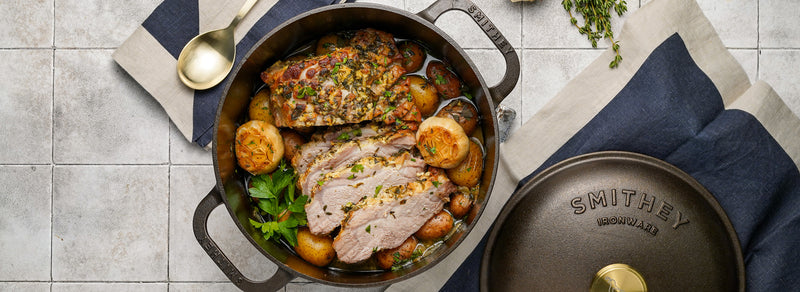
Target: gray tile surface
[778,27]
[110,223]
[102,287]
[25,286]
[26,23]
[187,260]
[25,204]
[102,116]
[26,102]
[98,23]
[105,186]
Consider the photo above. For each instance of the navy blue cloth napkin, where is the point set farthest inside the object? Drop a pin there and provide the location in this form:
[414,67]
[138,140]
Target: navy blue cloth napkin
[671,110]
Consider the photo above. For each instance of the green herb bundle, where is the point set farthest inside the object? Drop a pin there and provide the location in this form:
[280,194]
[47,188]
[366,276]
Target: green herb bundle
[276,197]
[597,21]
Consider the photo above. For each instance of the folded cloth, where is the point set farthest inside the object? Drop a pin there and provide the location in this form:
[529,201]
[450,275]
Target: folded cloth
[678,96]
[150,54]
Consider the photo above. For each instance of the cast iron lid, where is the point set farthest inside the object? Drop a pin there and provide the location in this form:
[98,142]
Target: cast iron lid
[612,221]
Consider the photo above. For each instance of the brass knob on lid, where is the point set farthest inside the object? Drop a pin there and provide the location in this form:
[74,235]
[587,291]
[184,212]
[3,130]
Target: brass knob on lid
[618,278]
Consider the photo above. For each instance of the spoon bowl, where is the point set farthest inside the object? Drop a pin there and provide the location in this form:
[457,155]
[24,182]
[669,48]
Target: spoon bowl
[208,58]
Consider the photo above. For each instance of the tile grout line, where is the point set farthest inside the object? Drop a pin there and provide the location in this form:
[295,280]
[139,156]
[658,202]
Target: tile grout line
[758,38]
[52,146]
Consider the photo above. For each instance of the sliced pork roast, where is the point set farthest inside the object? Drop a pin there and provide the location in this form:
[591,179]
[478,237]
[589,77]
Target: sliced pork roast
[344,154]
[349,85]
[323,141]
[340,190]
[387,219]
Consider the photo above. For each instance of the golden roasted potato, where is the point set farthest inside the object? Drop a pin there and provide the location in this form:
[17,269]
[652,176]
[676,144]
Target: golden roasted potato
[259,147]
[442,142]
[259,107]
[463,112]
[436,227]
[413,55]
[460,202]
[291,143]
[446,82]
[468,172]
[315,249]
[330,43]
[425,97]
[388,257]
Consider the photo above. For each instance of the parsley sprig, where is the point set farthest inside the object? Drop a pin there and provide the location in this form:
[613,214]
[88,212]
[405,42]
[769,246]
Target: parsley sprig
[276,197]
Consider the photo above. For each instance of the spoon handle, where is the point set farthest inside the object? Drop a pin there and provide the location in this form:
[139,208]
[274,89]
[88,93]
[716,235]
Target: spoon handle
[242,12]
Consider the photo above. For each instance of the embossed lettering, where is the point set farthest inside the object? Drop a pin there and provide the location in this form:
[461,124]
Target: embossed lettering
[472,8]
[578,205]
[628,194]
[599,198]
[643,201]
[613,197]
[681,221]
[664,210]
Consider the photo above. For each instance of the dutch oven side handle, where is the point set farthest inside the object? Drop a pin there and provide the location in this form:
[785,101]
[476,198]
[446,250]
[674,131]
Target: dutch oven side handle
[509,81]
[200,226]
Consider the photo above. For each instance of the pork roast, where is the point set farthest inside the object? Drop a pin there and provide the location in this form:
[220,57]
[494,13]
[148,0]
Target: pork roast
[387,219]
[340,190]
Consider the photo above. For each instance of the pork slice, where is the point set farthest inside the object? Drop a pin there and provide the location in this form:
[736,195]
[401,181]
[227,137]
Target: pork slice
[323,141]
[343,154]
[345,187]
[388,219]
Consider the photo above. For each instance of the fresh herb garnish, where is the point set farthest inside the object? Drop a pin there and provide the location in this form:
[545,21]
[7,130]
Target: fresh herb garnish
[368,228]
[436,183]
[344,136]
[276,197]
[306,91]
[597,21]
[357,168]
[440,80]
[378,189]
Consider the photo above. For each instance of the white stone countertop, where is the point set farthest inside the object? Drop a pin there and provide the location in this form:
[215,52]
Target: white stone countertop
[97,187]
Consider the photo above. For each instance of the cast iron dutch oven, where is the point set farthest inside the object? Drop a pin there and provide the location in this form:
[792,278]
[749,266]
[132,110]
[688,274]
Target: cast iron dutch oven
[230,189]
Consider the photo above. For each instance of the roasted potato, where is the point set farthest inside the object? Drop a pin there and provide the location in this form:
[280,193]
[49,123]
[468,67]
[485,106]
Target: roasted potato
[436,227]
[468,172]
[460,202]
[291,143]
[425,96]
[330,43]
[259,107]
[446,82]
[315,249]
[388,257]
[413,55]
[259,147]
[463,112]
[442,142]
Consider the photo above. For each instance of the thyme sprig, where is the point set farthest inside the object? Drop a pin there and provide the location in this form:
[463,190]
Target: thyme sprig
[597,21]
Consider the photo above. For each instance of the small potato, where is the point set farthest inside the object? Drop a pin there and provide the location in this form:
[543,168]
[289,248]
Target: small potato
[460,202]
[442,142]
[259,147]
[330,43]
[317,250]
[413,55]
[436,227]
[291,143]
[464,113]
[445,81]
[425,96]
[469,172]
[388,257]
[259,107]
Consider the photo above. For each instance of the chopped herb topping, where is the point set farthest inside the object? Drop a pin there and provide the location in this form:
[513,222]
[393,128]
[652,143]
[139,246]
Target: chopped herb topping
[378,189]
[357,168]
[435,183]
[368,228]
[440,80]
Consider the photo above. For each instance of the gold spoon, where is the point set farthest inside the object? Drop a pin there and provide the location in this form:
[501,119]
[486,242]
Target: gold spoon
[208,57]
